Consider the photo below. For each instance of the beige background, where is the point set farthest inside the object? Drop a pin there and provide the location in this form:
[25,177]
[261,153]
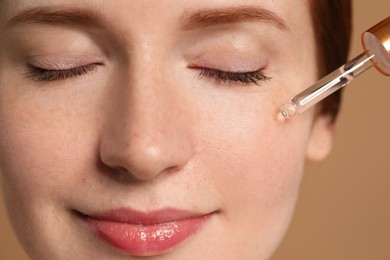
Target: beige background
[343,210]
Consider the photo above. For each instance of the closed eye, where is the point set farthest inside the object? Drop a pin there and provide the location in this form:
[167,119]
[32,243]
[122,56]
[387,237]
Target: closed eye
[42,74]
[250,77]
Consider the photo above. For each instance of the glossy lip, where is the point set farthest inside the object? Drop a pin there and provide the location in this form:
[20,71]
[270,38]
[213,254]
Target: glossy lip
[146,233]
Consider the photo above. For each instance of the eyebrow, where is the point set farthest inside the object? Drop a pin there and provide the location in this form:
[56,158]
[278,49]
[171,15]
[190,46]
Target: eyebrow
[189,20]
[50,16]
[227,15]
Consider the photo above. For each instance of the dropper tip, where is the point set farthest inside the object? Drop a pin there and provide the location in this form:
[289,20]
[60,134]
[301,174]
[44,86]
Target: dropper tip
[287,111]
[282,116]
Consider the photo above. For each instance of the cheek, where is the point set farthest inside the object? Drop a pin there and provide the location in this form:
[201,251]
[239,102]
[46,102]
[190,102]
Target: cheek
[45,151]
[27,185]
[39,160]
[259,158]
[244,138]
[28,165]
[256,165]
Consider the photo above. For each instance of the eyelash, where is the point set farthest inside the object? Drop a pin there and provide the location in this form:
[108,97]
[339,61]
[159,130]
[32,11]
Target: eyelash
[41,74]
[252,77]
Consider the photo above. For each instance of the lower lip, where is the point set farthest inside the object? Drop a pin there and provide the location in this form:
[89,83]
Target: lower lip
[147,240]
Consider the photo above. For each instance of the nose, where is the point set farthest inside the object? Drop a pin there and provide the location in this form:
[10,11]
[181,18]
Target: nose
[147,128]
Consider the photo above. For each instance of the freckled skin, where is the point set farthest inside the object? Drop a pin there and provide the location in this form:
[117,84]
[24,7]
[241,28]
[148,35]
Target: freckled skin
[144,131]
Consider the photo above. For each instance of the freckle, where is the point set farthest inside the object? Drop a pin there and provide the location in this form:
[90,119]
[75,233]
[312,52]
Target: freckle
[83,180]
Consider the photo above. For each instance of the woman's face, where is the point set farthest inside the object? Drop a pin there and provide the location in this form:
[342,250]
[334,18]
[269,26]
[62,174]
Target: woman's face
[148,128]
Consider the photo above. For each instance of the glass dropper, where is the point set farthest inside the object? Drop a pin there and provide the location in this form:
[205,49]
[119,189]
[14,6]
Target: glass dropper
[326,86]
[376,42]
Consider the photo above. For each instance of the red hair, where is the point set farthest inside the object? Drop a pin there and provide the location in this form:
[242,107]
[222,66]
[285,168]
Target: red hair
[332,30]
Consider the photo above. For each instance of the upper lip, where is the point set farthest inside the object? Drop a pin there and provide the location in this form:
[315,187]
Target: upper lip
[135,217]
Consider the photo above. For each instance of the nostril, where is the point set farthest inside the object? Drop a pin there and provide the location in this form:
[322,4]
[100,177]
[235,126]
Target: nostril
[172,169]
[120,169]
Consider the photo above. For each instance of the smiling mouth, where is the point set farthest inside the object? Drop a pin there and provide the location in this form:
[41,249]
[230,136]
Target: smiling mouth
[146,234]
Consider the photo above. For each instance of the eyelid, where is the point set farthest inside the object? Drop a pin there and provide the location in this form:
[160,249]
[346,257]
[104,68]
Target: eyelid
[63,61]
